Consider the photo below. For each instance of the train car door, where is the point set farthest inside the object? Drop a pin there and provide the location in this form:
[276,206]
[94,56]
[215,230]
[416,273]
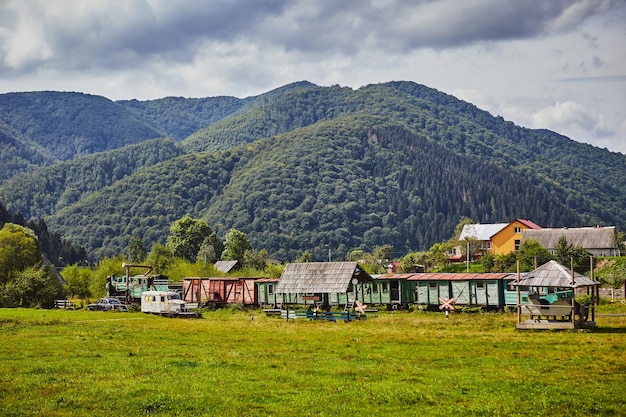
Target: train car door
[461,292]
[394,295]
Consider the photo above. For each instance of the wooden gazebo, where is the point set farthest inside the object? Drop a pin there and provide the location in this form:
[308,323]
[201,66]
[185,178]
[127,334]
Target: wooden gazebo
[551,299]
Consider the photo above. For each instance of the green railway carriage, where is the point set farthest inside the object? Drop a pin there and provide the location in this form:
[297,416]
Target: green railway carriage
[392,290]
[487,290]
[266,292]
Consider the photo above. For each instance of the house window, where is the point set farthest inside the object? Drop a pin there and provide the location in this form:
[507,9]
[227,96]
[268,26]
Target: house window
[518,230]
[517,243]
[488,246]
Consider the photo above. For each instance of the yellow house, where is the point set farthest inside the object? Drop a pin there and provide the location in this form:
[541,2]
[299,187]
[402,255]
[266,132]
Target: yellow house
[509,238]
[498,238]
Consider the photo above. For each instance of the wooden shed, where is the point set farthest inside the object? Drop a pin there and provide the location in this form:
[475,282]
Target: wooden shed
[550,304]
[327,283]
[220,290]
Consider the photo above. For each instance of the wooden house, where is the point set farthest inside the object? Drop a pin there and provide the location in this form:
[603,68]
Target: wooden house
[599,241]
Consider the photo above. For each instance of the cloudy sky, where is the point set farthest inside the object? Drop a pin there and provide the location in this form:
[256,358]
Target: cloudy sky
[557,64]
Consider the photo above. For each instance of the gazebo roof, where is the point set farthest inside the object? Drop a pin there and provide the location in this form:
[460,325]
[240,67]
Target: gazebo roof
[319,277]
[553,274]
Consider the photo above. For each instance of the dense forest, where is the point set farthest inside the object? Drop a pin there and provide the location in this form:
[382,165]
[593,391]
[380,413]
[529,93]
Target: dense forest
[300,168]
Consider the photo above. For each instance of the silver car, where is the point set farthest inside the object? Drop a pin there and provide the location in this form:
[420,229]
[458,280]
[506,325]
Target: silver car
[108,304]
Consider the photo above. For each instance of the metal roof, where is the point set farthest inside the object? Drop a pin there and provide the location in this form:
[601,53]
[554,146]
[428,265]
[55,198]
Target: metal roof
[225,266]
[553,274]
[586,237]
[481,231]
[319,277]
[446,276]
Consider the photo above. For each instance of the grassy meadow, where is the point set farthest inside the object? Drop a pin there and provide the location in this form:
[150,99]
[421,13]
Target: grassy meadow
[241,363]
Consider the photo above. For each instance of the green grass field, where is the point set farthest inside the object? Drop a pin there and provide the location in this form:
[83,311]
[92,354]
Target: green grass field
[81,363]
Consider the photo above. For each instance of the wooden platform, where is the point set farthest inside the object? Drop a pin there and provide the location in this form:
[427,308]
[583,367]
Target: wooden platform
[552,325]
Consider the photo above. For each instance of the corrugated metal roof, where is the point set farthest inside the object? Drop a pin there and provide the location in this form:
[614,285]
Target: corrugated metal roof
[481,231]
[529,223]
[445,276]
[319,277]
[587,237]
[225,266]
[553,274]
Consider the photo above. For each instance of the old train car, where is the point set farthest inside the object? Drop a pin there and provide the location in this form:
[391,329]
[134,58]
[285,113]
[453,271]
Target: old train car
[220,291]
[487,290]
[392,290]
[266,292]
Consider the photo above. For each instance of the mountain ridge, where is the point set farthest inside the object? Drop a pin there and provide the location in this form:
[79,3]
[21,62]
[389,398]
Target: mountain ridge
[574,184]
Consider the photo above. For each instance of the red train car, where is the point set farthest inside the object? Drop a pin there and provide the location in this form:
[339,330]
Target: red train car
[220,291]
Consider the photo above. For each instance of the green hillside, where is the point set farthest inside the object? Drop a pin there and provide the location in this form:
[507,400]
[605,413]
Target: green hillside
[69,125]
[304,166]
[50,189]
[357,181]
[180,117]
[18,154]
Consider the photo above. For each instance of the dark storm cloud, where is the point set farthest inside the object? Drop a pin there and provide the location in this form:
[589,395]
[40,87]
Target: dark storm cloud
[112,34]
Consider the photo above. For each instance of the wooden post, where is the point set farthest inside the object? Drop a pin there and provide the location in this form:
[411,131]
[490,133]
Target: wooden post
[573,293]
[519,297]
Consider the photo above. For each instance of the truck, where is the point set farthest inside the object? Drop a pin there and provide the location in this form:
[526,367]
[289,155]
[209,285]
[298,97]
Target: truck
[166,303]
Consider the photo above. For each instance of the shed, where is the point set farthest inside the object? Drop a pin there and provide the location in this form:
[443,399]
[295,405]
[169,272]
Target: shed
[324,282]
[227,266]
[561,312]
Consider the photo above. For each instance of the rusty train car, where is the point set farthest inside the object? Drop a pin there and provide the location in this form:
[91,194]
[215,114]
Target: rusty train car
[219,291]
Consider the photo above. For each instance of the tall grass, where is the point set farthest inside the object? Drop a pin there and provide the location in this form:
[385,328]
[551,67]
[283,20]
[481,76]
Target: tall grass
[234,363]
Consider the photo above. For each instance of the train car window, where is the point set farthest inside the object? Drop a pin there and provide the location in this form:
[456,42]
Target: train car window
[385,287]
[270,289]
[375,286]
[480,284]
[432,284]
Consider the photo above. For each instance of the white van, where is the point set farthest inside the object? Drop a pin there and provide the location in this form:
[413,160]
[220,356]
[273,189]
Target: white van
[165,303]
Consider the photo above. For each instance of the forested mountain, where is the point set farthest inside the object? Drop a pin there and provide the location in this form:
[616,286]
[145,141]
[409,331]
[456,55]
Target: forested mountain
[19,154]
[68,125]
[304,166]
[50,189]
[357,181]
[180,117]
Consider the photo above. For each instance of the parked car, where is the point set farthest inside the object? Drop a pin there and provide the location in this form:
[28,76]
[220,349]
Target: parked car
[108,304]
